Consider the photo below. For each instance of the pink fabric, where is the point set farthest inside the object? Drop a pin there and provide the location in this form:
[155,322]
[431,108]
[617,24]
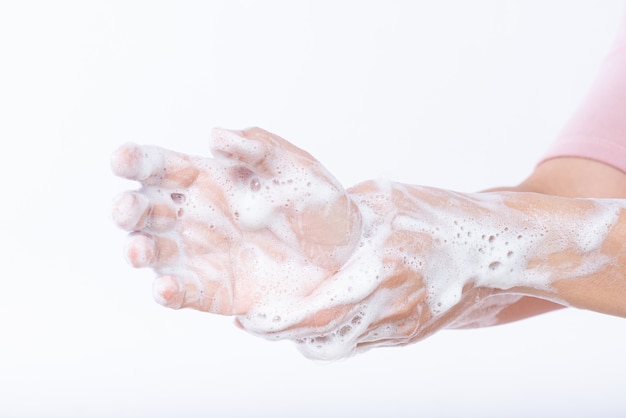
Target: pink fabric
[598,128]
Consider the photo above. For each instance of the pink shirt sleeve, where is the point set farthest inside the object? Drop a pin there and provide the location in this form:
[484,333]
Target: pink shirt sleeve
[597,129]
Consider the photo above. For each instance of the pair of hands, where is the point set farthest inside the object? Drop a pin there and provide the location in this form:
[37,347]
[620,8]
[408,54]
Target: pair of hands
[264,232]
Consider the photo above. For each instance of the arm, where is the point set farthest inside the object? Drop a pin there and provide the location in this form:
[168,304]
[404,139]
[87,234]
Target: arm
[430,259]
[474,256]
[567,177]
[264,233]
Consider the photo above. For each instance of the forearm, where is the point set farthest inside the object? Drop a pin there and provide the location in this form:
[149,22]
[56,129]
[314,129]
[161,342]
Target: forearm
[267,234]
[579,250]
[479,253]
[566,177]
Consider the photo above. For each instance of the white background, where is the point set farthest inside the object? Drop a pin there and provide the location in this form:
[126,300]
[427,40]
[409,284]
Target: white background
[455,94]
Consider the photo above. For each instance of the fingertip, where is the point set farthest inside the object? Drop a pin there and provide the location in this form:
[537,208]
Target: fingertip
[166,291]
[259,134]
[140,250]
[134,162]
[123,158]
[128,210]
[235,145]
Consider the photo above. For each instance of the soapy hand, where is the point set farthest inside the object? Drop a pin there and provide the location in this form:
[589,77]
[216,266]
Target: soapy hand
[262,224]
[263,232]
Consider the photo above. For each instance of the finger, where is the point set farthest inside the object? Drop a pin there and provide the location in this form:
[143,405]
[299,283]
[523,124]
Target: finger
[179,292]
[134,211]
[276,143]
[144,250]
[234,146]
[285,159]
[135,162]
[262,152]
[153,166]
[130,210]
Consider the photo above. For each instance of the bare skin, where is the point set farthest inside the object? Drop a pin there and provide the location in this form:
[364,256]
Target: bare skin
[283,268]
[567,177]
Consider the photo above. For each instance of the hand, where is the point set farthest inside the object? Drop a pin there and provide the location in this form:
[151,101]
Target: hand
[260,225]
